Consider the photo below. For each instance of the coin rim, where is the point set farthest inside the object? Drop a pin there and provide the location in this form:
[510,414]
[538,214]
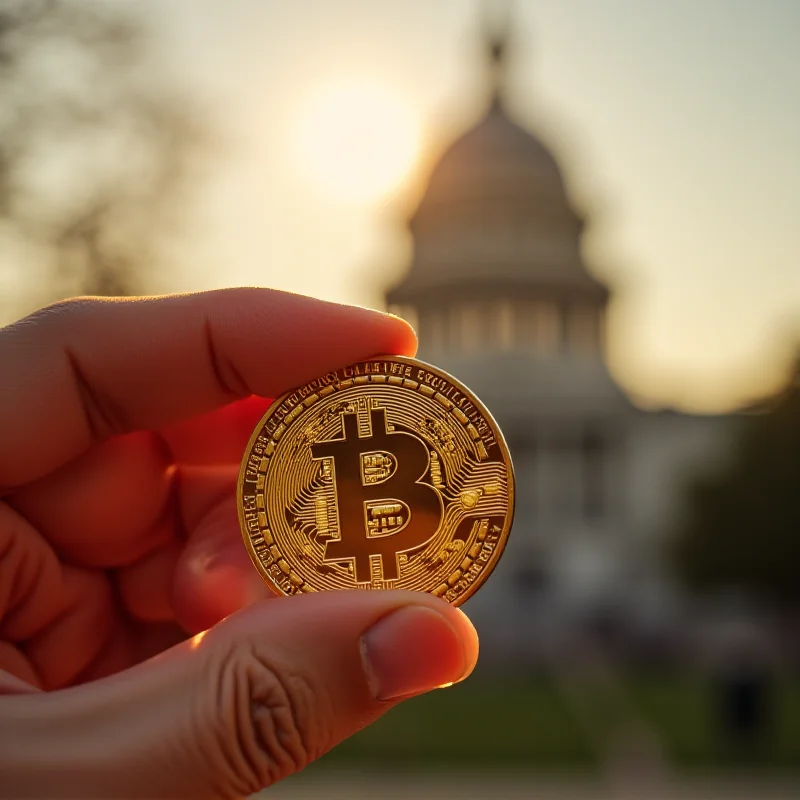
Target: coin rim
[414,362]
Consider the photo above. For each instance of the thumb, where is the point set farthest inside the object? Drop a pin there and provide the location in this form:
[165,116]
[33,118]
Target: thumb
[239,707]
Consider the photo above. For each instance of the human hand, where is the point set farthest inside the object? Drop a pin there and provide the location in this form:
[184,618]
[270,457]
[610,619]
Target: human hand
[122,424]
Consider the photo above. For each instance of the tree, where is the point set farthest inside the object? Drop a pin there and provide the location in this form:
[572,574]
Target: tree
[94,153]
[742,531]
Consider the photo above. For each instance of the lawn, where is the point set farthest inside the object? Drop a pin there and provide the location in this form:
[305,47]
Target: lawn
[681,709]
[527,722]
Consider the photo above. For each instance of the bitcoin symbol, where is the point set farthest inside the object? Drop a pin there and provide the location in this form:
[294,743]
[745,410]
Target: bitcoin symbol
[365,501]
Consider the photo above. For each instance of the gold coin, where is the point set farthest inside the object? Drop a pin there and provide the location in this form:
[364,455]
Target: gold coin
[387,474]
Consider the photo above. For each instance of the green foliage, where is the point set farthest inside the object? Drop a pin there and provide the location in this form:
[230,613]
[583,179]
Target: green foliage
[742,531]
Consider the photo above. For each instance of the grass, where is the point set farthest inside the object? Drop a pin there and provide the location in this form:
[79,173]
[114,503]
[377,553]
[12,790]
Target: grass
[681,709]
[525,722]
[510,723]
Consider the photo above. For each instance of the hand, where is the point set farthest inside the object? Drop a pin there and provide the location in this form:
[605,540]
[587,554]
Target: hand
[122,424]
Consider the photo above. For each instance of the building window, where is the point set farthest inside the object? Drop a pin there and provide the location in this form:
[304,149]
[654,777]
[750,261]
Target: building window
[582,329]
[433,332]
[524,324]
[563,475]
[466,326]
[539,327]
[594,454]
[548,328]
[503,325]
[601,328]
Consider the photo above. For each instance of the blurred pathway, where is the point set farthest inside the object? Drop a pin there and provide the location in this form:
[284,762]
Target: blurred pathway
[483,786]
[632,757]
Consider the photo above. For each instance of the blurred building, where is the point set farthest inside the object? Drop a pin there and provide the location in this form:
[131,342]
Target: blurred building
[500,296]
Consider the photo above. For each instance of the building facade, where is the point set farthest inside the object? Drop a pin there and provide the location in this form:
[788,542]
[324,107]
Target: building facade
[500,296]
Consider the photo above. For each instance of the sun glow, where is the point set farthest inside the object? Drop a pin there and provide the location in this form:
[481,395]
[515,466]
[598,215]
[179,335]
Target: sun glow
[356,141]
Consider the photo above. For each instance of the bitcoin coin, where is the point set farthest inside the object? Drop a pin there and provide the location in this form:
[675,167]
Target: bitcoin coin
[386,474]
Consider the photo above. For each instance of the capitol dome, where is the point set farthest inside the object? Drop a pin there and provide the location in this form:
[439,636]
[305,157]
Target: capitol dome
[495,160]
[495,219]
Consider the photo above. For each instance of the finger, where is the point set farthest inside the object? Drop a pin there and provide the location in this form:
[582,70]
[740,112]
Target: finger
[146,587]
[103,508]
[218,437]
[237,709]
[210,576]
[17,674]
[199,489]
[214,575]
[86,369]
[152,638]
[106,508]
[76,638]
[31,582]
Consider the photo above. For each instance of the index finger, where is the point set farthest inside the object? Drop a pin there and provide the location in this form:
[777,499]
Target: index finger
[82,370]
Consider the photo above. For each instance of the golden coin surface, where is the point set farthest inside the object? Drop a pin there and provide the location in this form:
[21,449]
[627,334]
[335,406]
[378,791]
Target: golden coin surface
[386,474]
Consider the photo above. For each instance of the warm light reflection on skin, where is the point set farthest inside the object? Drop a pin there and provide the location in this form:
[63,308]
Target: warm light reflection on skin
[197,639]
[356,141]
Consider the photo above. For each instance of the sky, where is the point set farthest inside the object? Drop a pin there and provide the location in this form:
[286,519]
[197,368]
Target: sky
[677,126]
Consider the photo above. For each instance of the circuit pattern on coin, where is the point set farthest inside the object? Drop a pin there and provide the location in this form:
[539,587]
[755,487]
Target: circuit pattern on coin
[387,474]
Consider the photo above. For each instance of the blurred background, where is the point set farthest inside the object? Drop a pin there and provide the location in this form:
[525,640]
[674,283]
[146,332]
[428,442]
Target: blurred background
[588,210]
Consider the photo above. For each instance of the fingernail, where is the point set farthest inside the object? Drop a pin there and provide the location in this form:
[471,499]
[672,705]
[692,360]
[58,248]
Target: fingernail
[413,650]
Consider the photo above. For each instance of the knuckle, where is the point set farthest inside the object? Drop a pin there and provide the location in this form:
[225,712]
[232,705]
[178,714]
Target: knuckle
[282,716]
[280,721]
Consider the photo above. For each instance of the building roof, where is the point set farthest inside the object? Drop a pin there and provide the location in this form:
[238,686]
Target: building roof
[497,159]
[495,213]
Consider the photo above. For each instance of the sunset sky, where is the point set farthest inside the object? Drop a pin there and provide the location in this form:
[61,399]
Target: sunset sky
[677,125]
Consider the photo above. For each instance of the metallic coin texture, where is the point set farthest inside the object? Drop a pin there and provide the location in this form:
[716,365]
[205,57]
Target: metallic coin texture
[387,474]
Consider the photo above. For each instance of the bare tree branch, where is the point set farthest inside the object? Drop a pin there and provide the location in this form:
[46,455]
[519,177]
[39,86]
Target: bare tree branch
[95,152]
